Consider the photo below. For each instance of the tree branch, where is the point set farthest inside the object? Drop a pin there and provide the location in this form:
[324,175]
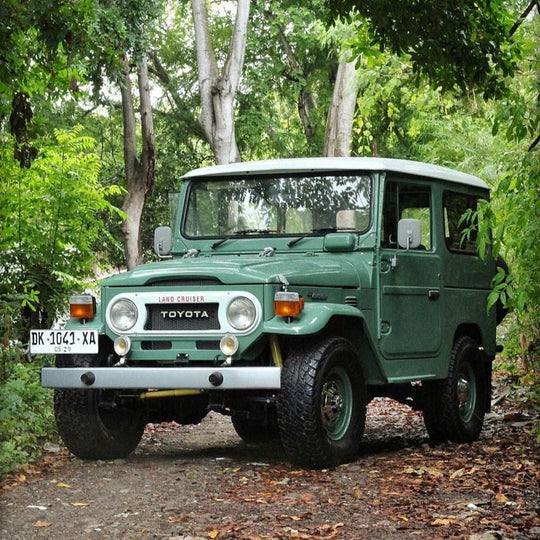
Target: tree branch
[235,61]
[147,126]
[128,116]
[206,64]
[524,15]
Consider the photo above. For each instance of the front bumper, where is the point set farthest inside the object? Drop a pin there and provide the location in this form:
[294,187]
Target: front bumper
[204,378]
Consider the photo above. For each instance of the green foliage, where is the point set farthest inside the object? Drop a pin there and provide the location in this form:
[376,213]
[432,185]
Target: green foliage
[49,225]
[26,415]
[514,221]
[514,214]
[454,42]
[492,139]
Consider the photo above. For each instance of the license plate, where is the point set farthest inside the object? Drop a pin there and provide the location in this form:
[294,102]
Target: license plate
[63,341]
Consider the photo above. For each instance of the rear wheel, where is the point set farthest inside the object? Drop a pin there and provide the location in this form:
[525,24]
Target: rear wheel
[322,404]
[97,424]
[254,432]
[184,410]
[455,408]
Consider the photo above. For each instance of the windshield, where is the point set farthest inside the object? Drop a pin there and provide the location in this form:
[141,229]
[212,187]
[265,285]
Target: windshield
[278,205]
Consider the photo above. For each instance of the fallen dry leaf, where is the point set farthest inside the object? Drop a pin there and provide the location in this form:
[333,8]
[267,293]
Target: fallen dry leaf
[177,519]
[443,521]
[42,524]
[457,474]
[62,485]
[80,504]
[307,498]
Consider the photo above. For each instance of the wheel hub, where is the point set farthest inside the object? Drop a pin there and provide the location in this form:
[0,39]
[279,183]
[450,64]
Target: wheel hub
[466,393]
[332,403]
[463,390]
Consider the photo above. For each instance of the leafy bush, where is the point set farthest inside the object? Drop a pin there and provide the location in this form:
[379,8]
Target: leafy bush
[49,225]
[26,414]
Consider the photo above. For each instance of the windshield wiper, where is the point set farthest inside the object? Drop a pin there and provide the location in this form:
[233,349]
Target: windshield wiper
[218,243]
[313,231]
[245,232]
[242,232]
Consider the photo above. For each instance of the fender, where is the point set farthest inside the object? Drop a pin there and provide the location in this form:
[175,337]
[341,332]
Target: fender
[313,318]
[96,323]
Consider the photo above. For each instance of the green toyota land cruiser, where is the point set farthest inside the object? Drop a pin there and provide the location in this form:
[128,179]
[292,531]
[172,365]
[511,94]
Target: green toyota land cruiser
[291,293]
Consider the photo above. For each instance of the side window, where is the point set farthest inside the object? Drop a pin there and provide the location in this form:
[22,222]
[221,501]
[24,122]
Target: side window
[455,206]
[406,201]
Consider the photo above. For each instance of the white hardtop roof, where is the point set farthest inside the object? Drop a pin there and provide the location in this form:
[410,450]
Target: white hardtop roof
[326,164]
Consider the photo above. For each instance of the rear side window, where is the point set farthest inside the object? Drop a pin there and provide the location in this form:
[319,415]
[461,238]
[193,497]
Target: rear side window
[456,205]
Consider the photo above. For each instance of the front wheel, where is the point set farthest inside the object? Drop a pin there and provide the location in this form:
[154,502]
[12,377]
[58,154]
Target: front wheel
[455,408]
[322,404]
[97,424]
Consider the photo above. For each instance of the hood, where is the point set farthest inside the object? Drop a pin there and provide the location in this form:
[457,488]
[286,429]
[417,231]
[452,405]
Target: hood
[312,270]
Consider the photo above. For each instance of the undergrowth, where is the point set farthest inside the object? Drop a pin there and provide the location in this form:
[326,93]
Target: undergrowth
[26,411]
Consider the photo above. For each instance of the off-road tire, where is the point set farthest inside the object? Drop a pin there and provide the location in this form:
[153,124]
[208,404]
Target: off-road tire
[500,310]
[254,432]
[192,410]
[455,408]
[89,430]
[315,375]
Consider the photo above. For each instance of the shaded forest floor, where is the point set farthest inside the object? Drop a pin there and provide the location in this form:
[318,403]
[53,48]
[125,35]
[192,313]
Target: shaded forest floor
[201,482]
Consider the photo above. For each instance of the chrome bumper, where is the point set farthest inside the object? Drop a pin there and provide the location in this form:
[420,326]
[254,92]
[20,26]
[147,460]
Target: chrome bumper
[221,378]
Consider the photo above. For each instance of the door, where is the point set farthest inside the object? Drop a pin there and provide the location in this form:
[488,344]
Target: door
[410,280]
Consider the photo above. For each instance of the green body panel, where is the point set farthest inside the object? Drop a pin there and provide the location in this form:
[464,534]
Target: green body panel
[305,268]
[401,308]
[96,323]
[324,281]
[313,319]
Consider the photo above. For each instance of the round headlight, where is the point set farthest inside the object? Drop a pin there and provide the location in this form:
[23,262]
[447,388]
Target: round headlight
[241,313]
[123,315]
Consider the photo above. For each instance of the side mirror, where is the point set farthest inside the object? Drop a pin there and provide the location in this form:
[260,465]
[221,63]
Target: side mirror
[409,233]
[163,241]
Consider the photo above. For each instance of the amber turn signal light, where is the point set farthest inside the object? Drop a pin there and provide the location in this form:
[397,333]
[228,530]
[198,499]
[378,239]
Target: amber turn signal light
[82,307]
[288,304]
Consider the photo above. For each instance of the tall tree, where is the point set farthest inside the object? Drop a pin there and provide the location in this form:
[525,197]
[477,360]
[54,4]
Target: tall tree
[140,168]
[337,141]
[217,86]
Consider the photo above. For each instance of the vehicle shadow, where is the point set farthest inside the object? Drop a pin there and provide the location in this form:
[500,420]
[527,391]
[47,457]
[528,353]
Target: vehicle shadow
[390,428]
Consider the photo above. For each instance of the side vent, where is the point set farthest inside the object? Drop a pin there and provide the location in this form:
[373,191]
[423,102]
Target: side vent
[351,301]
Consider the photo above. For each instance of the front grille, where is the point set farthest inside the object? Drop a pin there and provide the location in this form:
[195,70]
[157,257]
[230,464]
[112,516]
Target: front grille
[207,345]
[177,317]
[156,345]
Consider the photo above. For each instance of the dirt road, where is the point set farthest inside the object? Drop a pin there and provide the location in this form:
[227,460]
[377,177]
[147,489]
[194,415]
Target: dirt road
[203,482]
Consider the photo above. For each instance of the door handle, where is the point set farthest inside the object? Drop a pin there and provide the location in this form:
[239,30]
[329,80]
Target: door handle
[433,294]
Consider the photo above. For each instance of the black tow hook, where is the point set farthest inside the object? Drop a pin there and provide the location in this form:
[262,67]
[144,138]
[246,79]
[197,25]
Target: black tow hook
[88,378]
[216,378]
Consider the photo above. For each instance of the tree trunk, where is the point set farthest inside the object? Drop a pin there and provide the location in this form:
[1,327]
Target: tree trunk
[341,114]
[218,88]
[307,104]
[139,169]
